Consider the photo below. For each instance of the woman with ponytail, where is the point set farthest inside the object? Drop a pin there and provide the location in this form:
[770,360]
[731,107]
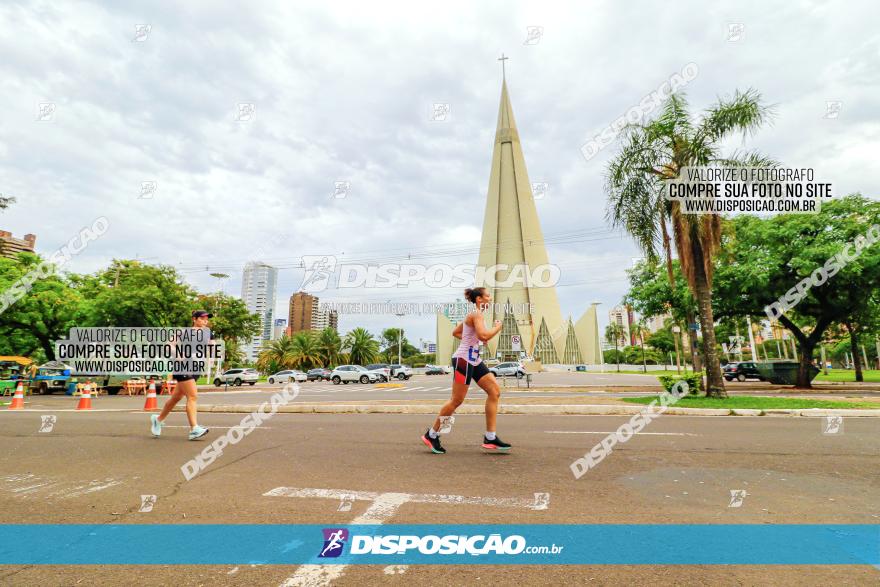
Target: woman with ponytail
[468,366]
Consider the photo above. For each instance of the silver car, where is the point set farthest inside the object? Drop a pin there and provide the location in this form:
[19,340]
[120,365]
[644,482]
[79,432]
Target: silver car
[352,374]
[289,375]
[237,377]
[512,369]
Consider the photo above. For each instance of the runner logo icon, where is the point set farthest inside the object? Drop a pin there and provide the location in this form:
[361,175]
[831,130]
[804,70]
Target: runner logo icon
[334,541]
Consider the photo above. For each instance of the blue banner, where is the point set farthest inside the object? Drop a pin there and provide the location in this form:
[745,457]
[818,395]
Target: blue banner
[595,544]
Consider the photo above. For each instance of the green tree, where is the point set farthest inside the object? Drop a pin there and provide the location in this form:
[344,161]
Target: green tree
[130,293]
[613,333]
[639,329]
[44,314]
[231,321]
[330,346]
[763,259]
[662,340]
[655,152]
[360,346]
[651,293]
[298,351]
[389,344]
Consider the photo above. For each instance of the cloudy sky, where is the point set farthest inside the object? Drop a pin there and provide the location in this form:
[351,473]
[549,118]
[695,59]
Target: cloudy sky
[343,92]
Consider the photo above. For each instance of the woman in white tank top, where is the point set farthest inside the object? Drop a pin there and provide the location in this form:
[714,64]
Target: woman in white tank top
[468,365]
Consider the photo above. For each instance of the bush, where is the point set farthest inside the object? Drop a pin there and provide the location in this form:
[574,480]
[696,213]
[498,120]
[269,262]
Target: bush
[694,382]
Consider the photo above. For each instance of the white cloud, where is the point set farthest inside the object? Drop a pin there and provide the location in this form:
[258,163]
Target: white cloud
[342,93]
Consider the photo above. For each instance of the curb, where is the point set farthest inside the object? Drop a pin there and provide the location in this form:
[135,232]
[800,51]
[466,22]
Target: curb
[535,409]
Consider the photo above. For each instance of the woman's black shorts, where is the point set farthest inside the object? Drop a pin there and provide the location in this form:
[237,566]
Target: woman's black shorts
[464,372]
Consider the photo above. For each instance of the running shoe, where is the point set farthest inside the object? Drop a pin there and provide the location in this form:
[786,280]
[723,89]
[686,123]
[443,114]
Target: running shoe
[197,432]
[496,444]
[156,425]
[433,444]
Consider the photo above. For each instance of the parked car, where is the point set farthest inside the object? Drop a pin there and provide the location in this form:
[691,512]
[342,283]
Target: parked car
[402,372]
[437,370]
[384,373]
[237,377]
[742,371]
[514,369]
[286,376]
[319,374]
[353,373]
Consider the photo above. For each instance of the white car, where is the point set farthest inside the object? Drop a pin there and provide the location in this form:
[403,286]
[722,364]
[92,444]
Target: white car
[237,377]
[402,372]
[287,376]
[512,369]
[383,373]
[352,374]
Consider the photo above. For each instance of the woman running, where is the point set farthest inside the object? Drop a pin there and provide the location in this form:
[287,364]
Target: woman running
[186,386]
[467,365]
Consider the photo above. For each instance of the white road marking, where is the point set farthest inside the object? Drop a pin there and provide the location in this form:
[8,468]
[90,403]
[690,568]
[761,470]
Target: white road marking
[219,427]
[22,485]
[612,432]
[48,409]
[382,508]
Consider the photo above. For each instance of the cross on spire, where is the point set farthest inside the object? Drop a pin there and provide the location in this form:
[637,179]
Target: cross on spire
[502,59]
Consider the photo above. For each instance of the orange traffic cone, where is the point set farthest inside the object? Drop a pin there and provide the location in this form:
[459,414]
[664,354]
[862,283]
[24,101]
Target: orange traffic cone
[18,398]
[85,398]
[151,405]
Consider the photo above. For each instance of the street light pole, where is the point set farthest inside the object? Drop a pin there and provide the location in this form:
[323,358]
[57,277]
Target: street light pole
[399,339]
[676,330]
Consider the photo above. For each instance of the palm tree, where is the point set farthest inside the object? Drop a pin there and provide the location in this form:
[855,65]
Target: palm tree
[305,352]
[329,345]
[613,333]
[299,351]
[275,355]
[655,152]
[640,329]
[361,347]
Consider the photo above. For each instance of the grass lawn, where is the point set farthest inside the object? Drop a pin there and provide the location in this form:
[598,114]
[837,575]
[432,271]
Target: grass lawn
[747,402]
[872,376]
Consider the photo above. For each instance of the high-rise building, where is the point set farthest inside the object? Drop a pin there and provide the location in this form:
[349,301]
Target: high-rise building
[655,323]
[532,321]
[302,309]
[279,329]
[305,313]
[325,319]
[11,246]
[258,291]
[623,317]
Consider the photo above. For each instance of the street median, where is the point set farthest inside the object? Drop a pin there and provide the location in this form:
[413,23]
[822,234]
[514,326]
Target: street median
[533,409]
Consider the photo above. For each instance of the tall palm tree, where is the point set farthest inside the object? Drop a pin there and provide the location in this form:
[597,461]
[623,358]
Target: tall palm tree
[329,345]
[654,152]
[613,333]
[360,346]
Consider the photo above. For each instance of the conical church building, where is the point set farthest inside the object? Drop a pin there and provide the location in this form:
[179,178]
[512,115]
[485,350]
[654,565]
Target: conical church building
[512,237]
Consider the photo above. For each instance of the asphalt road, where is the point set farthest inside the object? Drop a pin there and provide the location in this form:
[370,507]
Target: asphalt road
[93,467]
